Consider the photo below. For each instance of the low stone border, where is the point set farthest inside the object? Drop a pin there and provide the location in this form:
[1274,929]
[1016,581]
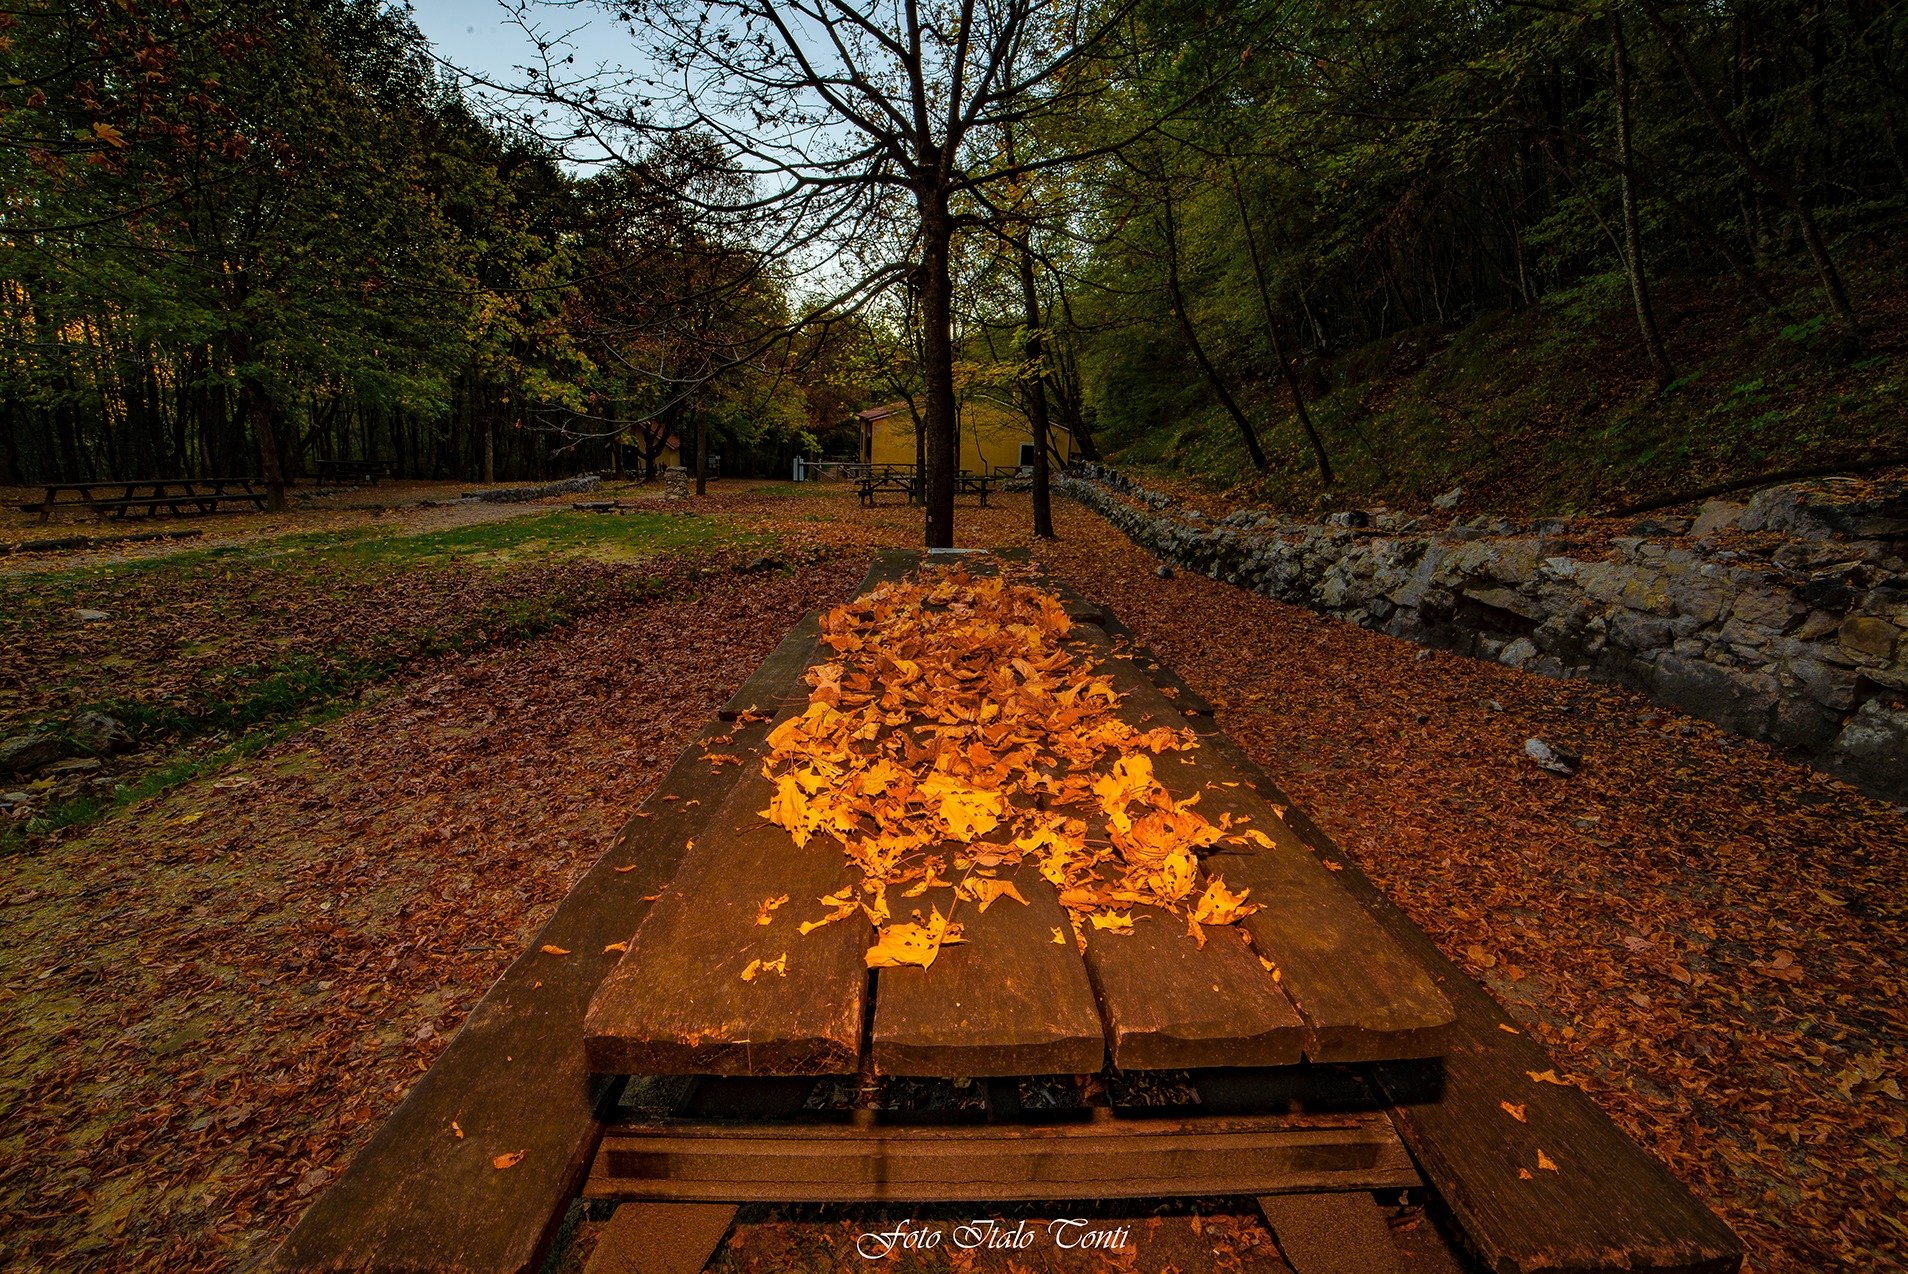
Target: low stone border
[511,495]
[1784,619]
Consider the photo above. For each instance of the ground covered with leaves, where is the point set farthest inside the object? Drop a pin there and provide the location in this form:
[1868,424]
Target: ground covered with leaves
[214,994]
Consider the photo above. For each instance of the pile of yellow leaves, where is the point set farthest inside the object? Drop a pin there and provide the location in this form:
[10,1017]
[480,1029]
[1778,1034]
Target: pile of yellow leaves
[956,733]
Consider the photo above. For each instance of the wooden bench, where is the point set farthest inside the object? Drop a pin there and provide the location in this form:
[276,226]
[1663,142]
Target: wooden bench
[873,481]
[905,481]
[177,496]
[419,1198]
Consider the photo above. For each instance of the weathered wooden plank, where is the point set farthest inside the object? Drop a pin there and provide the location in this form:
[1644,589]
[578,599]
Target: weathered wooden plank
[1361,995]
[1610,1206]
[1170,1003]
[1111,1158]
[678,1003]
[778,681]
[514,1079]
[1007,1001]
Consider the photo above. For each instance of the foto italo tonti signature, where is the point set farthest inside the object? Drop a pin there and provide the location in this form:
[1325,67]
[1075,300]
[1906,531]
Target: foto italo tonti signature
[988,1233]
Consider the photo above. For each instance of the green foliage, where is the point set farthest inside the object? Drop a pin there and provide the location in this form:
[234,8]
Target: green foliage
[1436,193]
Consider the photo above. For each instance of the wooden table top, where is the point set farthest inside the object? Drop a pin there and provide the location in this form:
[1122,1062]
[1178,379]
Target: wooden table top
[1311,975]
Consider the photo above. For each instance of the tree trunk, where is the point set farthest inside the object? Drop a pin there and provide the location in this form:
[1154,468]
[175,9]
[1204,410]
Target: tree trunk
[937,368]
[490,449]
[1632,232]
[260,414]
[1734,143]
[1034,384]
[702,454]
[1178,299]
[1304,414]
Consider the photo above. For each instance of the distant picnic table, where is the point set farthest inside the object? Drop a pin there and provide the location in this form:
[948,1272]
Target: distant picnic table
[177,496]
[906,480]
[352,470]
[1329,1049]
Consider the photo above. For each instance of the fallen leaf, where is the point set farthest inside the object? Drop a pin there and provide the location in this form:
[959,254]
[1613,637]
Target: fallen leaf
[616,946]
[1514,1111]
[551,949]
[1544,1161]
[510,1160]
[457,1130]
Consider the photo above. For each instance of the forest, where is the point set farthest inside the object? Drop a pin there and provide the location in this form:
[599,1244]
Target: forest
[1557,251]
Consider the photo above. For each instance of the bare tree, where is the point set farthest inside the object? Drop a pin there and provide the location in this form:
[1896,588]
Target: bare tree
[868,133]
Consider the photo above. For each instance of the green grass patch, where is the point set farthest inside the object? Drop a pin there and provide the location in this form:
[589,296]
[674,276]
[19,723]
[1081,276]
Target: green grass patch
[84,810]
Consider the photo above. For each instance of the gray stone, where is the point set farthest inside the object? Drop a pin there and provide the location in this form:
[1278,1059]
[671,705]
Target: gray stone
[1552,757]
[1865,635]
[1740,701]
[101,734]
[1518,653]
[1872,750]
[1635,630]
[91,616]
[26,753]
[1449,500]
[1164,571]
[1715,515]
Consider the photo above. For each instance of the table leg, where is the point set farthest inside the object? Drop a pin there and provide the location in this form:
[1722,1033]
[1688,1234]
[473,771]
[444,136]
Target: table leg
[1331,1233]
[660,1238]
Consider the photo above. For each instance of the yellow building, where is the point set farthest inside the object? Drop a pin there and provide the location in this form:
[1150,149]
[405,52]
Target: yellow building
[992,437]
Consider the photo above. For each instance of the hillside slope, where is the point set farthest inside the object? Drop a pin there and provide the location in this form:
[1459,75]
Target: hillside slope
[1552,410]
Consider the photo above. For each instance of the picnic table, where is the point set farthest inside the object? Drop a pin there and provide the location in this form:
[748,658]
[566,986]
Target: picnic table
[905,479]
[352,470]
[177,496]
[1325,1049]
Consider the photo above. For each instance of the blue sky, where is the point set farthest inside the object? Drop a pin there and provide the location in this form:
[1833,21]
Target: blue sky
[479,36]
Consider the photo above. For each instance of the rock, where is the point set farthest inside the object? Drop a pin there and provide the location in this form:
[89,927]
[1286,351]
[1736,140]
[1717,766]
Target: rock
[1661,526]
[1714,516]
[1518,653]
[1349,517]
[74,765]
[26,753]
[1552,758]
[1866,635]
[1164,571]
[1872,750]
[101,734]
[15,798]
[91,616]
[1449,500]
[764,563]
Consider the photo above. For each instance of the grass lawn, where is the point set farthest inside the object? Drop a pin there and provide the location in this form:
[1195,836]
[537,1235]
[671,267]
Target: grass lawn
[208,654]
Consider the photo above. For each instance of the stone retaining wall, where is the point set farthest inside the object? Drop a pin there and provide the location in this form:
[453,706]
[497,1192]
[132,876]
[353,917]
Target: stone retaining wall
[514,495]
[1784,618]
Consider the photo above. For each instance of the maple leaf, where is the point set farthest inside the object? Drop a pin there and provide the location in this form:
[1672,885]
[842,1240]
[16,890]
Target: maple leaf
[1114,921]
[1220,906]
[765,915]
[110,135]
[912,944]
[510,1160]
[985,889]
